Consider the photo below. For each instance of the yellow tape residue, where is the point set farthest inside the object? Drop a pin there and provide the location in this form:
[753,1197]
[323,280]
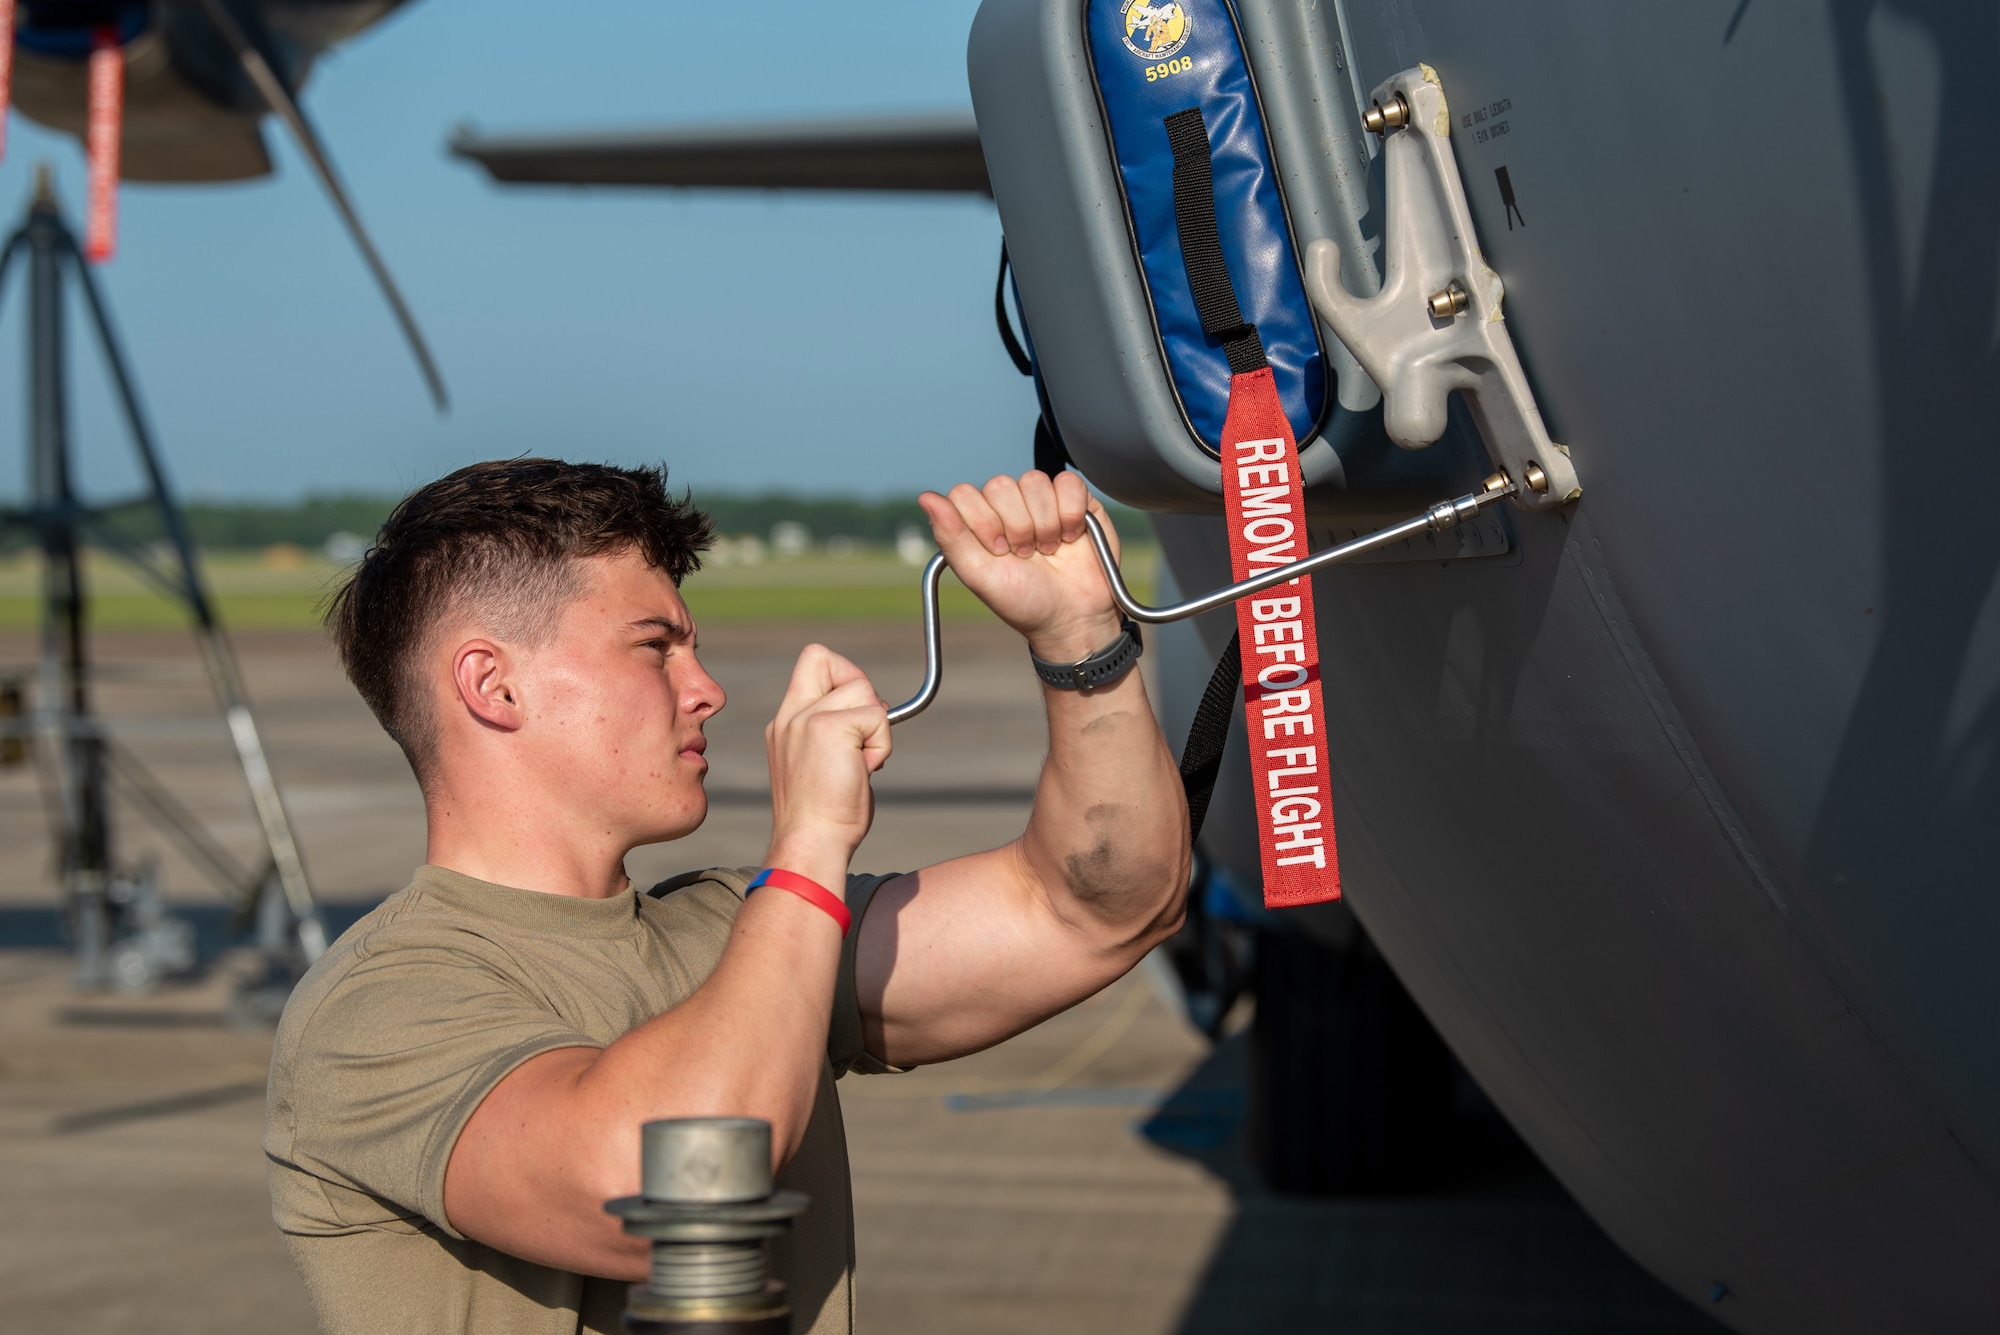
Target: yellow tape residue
[1443,127]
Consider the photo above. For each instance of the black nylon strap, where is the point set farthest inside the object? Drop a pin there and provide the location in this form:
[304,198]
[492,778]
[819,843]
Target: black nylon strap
[1012,344]
[1050,455]
[1201,244]
[1201,758]
[1222,320]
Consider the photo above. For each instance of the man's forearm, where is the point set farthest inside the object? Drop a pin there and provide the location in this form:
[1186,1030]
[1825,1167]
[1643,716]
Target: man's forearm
[750,1041]
[1108,835]
[560,1135]
[965,953]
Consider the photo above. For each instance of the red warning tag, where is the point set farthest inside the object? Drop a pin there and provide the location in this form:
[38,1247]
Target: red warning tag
[6,67]
[1283,707]
[101,142]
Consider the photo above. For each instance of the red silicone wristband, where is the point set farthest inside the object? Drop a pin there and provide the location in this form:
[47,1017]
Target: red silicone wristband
[812,892]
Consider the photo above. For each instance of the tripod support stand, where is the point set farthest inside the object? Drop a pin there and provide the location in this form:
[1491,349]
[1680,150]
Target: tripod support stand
[123,936]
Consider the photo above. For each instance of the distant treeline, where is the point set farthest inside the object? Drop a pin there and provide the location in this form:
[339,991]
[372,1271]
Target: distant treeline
[824,517]
[841,517]
[237,525]
[220,525]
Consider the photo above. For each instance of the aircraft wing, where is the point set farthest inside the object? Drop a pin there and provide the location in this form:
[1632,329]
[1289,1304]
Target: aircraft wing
[936,151]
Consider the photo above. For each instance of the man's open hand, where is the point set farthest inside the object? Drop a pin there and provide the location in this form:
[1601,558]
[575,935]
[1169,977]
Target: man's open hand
[831,733]
[1020,545]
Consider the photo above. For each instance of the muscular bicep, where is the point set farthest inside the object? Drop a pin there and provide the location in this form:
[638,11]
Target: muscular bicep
[959,956]
[524,1178]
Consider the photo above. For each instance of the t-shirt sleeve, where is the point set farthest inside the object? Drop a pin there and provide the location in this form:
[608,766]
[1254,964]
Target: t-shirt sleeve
[399,1052]
[847,1044]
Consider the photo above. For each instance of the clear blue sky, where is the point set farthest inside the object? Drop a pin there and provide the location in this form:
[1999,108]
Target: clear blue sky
[818,344]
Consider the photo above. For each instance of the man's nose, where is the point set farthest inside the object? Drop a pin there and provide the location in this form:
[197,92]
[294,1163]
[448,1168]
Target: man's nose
[704,695]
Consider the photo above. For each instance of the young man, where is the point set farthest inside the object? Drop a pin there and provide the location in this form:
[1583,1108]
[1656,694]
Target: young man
[459,1083]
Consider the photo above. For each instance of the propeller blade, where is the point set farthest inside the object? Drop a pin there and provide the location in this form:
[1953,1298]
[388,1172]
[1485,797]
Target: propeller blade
[287,108]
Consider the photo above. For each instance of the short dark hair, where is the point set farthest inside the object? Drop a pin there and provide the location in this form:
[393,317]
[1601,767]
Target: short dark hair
[498,541]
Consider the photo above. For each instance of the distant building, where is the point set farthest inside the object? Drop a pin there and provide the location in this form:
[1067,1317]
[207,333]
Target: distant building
[913,545]
[790,539]
[344,548]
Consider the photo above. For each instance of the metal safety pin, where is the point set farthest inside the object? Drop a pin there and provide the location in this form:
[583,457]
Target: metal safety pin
[1442,516]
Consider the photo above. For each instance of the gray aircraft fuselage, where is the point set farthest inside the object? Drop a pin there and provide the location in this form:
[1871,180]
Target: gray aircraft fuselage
[1679,819]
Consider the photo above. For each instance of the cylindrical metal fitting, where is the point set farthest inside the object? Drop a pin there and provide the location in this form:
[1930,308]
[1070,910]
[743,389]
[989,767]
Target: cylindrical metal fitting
[1386,116]
[705,1160]
[1450,514]
[708,1271]
[1448,301]
[1536,479]
[708,1207]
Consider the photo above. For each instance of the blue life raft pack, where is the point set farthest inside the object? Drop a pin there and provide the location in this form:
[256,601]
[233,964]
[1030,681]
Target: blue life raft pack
[1075,100]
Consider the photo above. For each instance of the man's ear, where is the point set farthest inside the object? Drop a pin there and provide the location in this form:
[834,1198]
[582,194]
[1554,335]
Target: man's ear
[482,673]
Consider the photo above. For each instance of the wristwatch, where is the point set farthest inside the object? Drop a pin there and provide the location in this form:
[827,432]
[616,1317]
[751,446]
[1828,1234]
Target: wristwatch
[1102,668]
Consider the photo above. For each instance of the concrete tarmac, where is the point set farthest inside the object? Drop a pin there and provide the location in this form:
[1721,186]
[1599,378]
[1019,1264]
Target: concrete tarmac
[1087,1176]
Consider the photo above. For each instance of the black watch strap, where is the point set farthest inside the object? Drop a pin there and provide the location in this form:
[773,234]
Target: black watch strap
[1102,668]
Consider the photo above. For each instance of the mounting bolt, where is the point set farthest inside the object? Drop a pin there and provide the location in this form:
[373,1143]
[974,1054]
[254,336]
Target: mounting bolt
[1448,301]
[1382,118]
[1537,480]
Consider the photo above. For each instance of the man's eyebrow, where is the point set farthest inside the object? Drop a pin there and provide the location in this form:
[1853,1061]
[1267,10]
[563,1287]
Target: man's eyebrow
[671,627]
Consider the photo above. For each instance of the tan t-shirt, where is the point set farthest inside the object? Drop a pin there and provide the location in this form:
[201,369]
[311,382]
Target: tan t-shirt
[418,1011]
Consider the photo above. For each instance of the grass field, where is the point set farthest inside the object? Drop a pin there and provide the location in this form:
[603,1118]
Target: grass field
[288,590]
